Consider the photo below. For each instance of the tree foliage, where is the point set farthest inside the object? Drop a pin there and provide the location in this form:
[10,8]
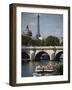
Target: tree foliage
[36,42]
[52,41]
[61,43]
[26,40]
[49,41]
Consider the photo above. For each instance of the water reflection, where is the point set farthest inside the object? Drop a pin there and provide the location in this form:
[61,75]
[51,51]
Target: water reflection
[29,68]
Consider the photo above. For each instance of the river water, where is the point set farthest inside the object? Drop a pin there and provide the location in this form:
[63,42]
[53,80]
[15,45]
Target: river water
[28,68]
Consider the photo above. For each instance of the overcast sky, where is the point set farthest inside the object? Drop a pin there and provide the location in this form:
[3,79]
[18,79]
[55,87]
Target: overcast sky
[50,24]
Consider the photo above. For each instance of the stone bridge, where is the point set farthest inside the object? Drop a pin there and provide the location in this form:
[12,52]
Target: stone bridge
[35,52]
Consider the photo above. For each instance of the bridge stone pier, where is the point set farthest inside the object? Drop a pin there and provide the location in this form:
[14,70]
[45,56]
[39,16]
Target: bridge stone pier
[34,51]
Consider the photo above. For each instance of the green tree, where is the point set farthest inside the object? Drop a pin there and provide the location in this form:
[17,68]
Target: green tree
[36,42]
[26,40]
[43,43]
[61,43]
[52,41]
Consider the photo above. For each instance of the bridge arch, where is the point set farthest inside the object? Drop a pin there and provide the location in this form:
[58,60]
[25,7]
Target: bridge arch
[59,56]
[42,55]
[25,56]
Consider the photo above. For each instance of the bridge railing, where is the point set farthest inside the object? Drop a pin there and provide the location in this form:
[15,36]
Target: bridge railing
[43,47]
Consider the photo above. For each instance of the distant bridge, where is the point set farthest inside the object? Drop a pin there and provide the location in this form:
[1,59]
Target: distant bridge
[36,52]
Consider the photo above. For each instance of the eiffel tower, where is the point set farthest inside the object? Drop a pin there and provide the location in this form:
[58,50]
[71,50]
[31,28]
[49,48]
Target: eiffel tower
[38,28]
